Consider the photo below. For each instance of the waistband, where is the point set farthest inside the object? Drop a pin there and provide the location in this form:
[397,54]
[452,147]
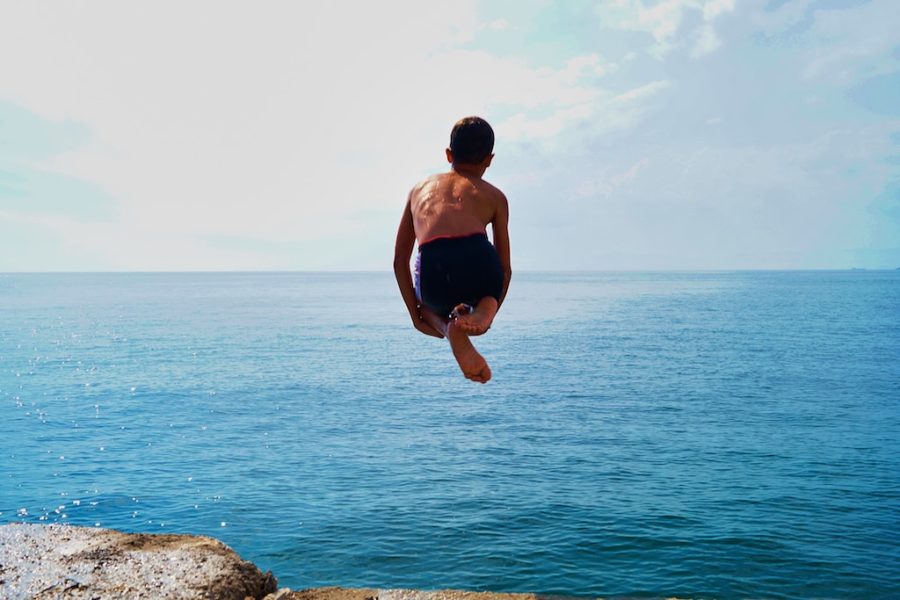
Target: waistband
[463,236]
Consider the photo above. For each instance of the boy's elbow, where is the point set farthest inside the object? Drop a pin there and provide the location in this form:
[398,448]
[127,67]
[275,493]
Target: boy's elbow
[400,263]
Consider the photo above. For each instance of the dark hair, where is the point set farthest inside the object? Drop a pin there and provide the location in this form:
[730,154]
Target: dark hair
[471,140]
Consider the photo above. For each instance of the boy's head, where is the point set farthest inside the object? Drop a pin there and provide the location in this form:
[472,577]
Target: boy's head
[471,141]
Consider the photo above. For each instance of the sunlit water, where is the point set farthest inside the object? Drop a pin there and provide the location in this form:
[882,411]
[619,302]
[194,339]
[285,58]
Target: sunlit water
[699,435]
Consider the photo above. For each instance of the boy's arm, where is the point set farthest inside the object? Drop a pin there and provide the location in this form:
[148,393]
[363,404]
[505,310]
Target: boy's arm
[403,247]
[500,229]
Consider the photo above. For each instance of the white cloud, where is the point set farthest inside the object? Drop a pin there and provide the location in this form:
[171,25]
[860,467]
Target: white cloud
[839,45]
[853,44]
[663,20]
[587,64]
[785,16]
[608,182]
[599,112]
[715,8]
[266,120]
[706,42]
[642,92]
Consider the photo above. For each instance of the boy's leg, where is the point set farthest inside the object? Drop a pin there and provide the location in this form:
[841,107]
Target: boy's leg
[471,363]
[479,320]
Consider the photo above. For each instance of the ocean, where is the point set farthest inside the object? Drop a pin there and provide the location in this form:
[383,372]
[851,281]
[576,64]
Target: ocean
[703,435]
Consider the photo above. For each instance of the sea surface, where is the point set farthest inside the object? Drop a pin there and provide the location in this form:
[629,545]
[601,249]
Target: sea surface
[704,435]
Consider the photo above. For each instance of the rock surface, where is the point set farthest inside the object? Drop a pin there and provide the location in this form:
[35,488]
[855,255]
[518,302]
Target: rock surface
[57,561]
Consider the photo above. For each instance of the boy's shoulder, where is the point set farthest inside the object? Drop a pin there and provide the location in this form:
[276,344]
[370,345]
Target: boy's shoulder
[490,187]
[491,192]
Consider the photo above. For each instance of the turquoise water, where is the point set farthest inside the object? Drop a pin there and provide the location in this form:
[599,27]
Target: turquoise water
[646,434]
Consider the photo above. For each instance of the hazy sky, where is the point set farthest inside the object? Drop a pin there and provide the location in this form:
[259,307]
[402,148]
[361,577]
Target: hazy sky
[631,134]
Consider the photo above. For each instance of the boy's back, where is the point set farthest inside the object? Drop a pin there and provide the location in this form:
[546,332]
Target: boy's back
[453,204]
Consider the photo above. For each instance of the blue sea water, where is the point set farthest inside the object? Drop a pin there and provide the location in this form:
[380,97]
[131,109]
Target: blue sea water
[715,435]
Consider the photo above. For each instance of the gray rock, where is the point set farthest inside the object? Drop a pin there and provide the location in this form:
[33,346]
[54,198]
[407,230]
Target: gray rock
[57,561]
[281,594]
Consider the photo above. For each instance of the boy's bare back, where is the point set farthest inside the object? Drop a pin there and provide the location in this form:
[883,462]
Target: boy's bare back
[454,204]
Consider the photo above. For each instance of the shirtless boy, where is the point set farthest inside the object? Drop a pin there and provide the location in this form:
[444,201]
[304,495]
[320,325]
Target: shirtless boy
[460,277]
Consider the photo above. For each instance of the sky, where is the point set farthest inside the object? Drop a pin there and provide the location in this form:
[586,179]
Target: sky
[631,134]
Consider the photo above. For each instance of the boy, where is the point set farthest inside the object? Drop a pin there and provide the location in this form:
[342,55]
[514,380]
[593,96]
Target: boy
[460,278]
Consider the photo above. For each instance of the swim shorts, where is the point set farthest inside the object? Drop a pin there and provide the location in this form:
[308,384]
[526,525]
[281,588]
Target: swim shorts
[457,270]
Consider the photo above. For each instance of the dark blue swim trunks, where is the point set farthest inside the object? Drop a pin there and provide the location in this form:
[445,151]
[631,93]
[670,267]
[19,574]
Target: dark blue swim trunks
[457,270]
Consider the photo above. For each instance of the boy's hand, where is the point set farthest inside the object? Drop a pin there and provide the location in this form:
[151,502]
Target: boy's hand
[423,326]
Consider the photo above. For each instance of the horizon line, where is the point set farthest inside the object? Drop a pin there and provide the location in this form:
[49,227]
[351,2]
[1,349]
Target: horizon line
[388,271]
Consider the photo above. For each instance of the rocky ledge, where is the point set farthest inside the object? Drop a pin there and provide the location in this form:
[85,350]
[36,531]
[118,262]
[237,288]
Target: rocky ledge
[63,562]
[57,561]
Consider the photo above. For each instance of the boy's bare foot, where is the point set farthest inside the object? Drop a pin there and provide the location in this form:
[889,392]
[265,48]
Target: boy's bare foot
[479,320]
[471,363]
